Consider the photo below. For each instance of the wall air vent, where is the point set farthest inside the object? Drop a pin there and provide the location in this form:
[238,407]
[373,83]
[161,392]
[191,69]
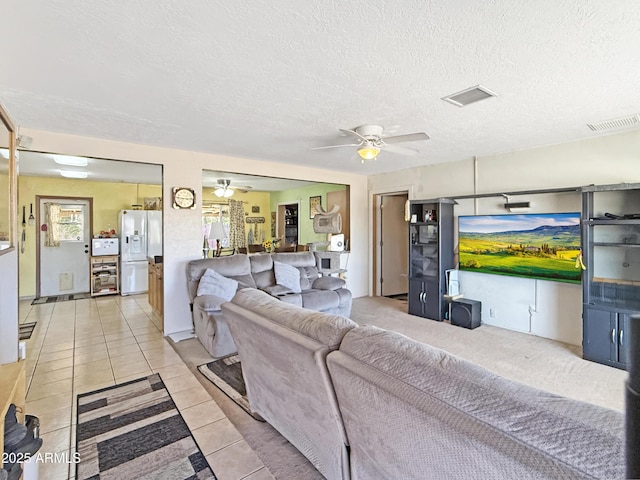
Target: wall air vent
[469,96]
[624,122]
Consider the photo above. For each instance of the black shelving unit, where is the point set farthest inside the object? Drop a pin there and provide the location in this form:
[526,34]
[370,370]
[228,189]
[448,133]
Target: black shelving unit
[430,255]
[611,281]
[291,224]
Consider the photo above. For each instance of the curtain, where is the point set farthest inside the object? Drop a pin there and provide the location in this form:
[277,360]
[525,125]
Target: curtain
[237,238]
[52,221]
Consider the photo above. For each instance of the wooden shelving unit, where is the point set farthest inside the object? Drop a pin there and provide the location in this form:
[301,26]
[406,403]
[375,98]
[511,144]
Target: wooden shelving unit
[105,275]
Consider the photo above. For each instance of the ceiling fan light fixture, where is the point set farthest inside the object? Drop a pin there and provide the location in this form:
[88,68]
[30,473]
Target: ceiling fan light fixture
[223,192]
[368,152]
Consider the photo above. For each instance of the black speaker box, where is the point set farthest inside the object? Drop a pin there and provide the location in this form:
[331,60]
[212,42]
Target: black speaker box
[466,313]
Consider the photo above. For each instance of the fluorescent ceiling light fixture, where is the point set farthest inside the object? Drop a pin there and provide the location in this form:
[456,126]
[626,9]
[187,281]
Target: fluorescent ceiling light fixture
[73,174]
[71,161]
[368,152]
[5,153]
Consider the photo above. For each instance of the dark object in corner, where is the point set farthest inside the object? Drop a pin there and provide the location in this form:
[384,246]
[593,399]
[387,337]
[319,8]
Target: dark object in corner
[633,400]
[466,313]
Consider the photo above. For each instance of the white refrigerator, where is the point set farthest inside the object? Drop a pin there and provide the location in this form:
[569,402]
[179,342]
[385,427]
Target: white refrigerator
[140,237]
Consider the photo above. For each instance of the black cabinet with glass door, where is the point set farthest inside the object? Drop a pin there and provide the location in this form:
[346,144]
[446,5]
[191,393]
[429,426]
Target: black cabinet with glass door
[291,224]
[430,254]
[611,281]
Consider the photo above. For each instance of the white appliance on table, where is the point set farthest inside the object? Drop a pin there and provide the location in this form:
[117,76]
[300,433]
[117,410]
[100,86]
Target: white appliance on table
[140,237]
[101,247]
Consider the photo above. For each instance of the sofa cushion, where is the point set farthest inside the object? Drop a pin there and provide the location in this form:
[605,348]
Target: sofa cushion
[323,327]
[287,276]
[236,267]
[262,270]
[213,283]
[329,283]
[308,275]
[296,259]
[292,299]
[320,299]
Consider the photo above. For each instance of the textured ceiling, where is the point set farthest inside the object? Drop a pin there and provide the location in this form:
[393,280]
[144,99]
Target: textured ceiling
[272,79]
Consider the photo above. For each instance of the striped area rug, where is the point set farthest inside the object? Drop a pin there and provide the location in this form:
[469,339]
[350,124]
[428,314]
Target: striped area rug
[133,430]
[226,374]
[60,298]
[25,330]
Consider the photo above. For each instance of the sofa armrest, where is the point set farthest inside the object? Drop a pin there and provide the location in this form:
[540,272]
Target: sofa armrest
[328,283]
[208,303]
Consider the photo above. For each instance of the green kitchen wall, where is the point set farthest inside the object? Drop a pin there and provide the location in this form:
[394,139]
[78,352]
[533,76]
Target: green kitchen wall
[301,196]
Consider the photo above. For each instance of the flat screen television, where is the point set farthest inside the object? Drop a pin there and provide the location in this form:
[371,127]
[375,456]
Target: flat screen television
[541,246]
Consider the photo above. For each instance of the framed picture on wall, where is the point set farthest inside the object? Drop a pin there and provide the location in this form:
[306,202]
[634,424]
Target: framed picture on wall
[313,203]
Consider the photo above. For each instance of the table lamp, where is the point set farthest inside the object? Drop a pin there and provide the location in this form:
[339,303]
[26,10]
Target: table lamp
[218,233]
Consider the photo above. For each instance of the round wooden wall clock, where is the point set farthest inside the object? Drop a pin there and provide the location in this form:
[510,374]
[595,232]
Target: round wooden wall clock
[184,197]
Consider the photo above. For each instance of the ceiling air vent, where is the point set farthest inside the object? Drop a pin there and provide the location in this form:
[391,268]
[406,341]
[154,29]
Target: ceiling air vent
[624,122]
[470,95]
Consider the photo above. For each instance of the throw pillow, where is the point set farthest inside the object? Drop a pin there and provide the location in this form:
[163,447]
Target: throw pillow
[287,276]
[212,283]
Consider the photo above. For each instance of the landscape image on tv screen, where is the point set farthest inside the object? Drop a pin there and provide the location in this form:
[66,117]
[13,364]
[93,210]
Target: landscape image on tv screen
[542,246]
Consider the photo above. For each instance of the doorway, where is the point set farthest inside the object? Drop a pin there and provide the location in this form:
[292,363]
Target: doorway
[392,242]
[63,245]
[288,224]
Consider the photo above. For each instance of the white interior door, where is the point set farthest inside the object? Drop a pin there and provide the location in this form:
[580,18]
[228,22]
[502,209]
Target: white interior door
[394,248]
[64,269]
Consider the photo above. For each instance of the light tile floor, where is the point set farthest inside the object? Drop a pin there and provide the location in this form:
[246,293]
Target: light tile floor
[83,345]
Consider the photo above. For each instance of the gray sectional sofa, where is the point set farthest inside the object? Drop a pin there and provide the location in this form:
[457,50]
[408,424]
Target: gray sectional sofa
[362,403]
[325,294]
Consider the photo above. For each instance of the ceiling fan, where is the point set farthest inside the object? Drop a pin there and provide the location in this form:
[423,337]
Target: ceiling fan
[224,188]
[371,140]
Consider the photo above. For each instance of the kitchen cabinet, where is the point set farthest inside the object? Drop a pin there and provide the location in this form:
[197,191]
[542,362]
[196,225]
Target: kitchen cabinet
[156,286]
[105,275]
[606,336]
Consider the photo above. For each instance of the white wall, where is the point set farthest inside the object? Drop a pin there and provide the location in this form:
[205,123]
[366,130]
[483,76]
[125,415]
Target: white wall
[182,241]
[548,309]
[9,306]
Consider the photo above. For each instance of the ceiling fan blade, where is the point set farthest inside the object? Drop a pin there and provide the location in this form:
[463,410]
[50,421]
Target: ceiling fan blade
[400,150]
[353,132]
[337,146]
[410,137]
